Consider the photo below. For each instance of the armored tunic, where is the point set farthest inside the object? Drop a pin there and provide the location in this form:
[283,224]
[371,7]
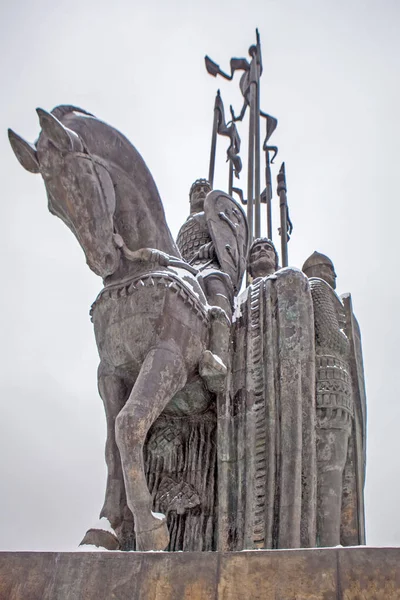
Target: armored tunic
[334,398]
[336,492]
[192,236]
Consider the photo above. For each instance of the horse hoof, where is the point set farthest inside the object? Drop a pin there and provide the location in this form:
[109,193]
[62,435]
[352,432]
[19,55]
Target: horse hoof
[101,539]
[153,539]
[101,536]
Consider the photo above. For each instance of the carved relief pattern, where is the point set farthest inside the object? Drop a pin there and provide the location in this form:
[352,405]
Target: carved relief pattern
[180,463]
[334,391]
[192,236]
[333,385]
[164,279]
[177,496]
[260,466]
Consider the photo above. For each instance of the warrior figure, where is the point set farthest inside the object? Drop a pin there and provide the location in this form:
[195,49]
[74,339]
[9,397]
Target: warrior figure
[197,248]
[336,454]
[267,459]
[214,240]
[263,259]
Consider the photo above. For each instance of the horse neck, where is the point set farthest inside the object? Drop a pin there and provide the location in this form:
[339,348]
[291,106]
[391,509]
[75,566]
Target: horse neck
[139,218]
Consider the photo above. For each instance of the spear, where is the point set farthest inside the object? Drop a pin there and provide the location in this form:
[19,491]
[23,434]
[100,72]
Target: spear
[250,88]
[266,196]
[257,197]
[229,130]
[249,85]
[286,227]
[211,169]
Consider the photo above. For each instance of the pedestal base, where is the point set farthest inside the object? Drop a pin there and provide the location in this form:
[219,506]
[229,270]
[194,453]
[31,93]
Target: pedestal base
[317,574]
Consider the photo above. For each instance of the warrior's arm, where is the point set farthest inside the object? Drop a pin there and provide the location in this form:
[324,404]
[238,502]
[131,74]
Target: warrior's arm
[152,255]
[207,251]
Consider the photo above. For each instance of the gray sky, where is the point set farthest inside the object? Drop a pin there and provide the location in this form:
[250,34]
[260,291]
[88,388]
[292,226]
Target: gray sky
[331,77]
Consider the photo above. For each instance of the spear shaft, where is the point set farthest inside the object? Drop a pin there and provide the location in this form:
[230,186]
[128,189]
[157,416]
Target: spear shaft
[268,189]
[250,168]
[257,59]
[271,124]
[230,184]
[250,88]
[211,169]
[281,190]
[257,207]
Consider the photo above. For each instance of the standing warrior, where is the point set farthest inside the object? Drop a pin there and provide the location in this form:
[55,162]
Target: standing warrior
[268,420]
[340,505]
[214,240]
[263,259]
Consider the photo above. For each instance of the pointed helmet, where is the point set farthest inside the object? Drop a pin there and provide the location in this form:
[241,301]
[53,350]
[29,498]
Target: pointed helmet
[317,258]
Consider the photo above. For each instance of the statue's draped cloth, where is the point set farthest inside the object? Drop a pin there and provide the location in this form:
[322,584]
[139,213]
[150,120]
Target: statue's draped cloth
[267,457]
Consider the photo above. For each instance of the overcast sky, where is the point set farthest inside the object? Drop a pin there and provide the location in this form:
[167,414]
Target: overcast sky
[331,77]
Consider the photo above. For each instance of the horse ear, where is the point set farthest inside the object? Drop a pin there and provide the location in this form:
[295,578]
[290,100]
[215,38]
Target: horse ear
[55,130]
[24,151]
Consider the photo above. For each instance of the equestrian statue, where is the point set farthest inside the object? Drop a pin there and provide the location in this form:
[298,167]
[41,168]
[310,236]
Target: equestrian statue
[157,331]
[235,419]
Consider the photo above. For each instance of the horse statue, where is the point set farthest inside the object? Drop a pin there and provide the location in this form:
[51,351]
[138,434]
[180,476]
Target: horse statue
[151,320]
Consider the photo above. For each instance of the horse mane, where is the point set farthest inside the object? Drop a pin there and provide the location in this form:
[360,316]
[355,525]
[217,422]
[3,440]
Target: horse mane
[65,109]
[138,188]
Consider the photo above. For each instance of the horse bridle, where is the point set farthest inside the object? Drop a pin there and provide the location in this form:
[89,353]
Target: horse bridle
[172,261]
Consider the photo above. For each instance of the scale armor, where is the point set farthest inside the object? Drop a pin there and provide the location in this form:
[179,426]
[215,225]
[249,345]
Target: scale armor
[192,236]
[334,398]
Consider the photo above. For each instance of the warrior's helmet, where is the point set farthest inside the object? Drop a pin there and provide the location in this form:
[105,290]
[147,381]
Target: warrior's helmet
[198,183]
[316,258]
[320,265]
[197,195]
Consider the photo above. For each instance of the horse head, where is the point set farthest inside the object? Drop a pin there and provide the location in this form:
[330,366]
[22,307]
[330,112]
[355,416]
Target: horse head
[79,188]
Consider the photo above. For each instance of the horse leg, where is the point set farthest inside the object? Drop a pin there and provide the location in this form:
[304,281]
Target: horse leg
[114,394]
[162,375]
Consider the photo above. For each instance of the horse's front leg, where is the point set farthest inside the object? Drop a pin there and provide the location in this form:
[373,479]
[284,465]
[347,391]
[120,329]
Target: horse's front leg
[114,394]
[161,376]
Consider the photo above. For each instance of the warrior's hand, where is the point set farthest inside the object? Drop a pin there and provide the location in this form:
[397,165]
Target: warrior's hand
[160,258]
[152,255]
[207,251]
[156,257]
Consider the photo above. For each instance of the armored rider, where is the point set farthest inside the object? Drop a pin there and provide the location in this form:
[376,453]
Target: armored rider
[214,240]
[197,248]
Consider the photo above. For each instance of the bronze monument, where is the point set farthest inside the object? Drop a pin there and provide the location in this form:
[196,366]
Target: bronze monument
[235,417]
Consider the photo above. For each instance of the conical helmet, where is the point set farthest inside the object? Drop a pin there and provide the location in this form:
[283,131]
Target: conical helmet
[317,258]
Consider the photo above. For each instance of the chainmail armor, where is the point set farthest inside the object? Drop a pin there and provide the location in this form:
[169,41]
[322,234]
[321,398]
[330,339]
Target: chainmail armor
[192,236]
[334,399]
[329,320]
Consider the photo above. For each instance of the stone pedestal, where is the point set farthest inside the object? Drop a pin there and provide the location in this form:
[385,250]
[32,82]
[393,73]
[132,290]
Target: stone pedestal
[318,574]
